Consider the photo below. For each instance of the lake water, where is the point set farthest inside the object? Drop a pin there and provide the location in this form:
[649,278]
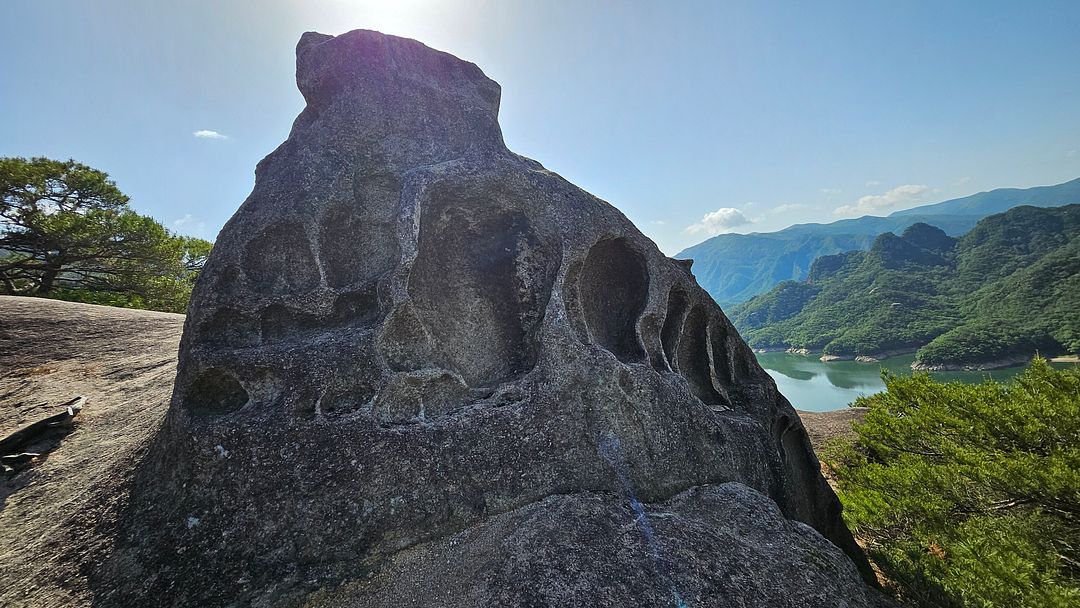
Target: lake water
[812,385]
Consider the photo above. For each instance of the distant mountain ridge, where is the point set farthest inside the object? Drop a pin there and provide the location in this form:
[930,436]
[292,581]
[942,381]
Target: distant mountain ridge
[993,297]
[736,267]
[1000,200]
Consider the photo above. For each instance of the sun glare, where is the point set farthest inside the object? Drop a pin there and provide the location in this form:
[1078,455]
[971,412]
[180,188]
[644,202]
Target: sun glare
[398,17]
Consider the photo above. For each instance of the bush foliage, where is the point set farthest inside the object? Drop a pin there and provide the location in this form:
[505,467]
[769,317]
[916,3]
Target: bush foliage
[66,232]
[969,495]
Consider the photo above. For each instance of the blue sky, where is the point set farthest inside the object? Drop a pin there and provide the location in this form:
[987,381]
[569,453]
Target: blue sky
[691,117]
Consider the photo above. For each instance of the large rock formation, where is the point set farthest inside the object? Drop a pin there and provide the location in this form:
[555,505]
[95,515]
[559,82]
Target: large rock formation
[420,367]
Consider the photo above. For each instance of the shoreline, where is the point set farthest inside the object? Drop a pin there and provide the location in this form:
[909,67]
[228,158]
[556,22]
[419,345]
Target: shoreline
[952,366]
[1003,363]
[871,357]
[866,358]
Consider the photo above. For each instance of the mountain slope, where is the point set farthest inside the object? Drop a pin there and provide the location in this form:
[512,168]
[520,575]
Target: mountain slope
[1007,288]
[736,267]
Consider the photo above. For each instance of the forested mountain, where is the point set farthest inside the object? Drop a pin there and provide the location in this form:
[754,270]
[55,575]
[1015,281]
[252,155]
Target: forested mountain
[1005,289]
[736,267]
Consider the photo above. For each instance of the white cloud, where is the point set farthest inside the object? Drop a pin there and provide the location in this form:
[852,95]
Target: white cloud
[658,222]
[1072,153]
[788,207]
[831,192]
[189,225]
[208,134]
[716,222]
[962,181]
[873,183]
[900,196]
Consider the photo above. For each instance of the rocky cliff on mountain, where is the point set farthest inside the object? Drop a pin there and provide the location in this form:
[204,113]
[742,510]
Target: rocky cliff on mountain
[419,367]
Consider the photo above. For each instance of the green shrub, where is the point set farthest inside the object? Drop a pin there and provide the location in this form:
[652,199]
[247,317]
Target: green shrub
[969,495]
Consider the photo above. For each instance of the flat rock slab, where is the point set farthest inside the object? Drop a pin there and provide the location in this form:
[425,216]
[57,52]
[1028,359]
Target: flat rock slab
[57,519]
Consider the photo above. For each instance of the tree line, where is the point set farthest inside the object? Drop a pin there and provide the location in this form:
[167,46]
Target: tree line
[68,232]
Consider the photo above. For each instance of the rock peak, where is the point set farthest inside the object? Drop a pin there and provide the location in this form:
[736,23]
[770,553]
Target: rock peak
[408,336]
[411,102]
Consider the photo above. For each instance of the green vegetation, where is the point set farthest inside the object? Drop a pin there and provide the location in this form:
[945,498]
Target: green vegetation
[66,232]
[1007,289]
[736,267]
[969,495]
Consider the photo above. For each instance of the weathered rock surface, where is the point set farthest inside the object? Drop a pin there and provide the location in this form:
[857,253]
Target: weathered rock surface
[57,517]
[578,550]
[409,335]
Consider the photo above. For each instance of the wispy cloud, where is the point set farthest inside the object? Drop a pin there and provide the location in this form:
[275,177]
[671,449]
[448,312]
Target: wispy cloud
[788,207]
[189,225]
[901,196]
[962,181]
[209,134]
[719,221]
[1072,154]
[873,183]
[831,192]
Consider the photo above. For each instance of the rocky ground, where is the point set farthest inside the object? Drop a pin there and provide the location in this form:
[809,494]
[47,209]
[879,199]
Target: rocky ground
[825,426]
[57,518]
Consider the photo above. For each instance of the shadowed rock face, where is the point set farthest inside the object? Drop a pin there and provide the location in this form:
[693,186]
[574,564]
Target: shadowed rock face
[408,332]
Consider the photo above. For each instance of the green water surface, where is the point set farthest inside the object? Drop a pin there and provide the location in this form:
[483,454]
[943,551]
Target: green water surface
[812,385]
